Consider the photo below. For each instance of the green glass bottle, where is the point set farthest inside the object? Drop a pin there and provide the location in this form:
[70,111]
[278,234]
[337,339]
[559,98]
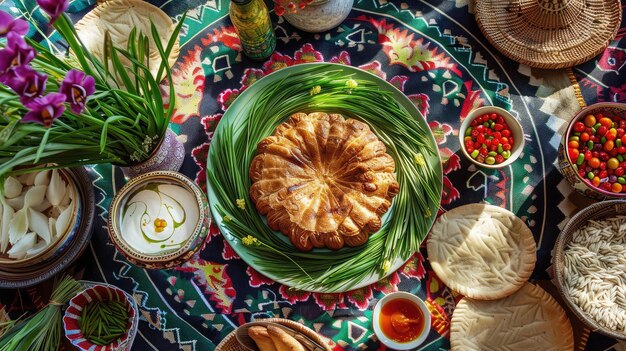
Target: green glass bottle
[254,27]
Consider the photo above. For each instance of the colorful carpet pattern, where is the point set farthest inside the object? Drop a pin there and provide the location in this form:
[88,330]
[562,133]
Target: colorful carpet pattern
[434,53]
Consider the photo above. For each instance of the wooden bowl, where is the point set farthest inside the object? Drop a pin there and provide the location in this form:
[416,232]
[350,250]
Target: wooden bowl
[596,211]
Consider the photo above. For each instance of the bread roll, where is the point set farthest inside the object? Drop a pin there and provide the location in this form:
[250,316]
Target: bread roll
[283,341]
[261,338]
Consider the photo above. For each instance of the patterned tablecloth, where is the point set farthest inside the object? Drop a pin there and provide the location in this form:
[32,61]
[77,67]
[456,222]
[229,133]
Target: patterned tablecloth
[432,51]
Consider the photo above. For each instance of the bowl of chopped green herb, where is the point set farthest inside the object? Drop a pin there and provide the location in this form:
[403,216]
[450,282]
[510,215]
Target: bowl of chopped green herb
[101,317]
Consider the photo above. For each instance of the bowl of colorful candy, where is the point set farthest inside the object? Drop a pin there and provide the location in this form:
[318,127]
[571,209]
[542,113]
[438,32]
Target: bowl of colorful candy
[491,137]
[592,155]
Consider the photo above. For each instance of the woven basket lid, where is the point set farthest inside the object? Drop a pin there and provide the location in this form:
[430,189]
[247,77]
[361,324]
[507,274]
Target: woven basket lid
[549,33]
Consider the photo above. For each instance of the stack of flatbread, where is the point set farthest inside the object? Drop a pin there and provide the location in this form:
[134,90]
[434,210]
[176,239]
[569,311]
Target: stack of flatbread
[487,254]
[271,338]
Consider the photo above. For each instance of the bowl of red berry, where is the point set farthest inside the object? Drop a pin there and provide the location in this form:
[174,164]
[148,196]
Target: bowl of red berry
[491,137]
[592,155]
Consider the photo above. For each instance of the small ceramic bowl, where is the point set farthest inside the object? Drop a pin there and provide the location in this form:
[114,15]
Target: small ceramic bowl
[569,168]
[514,126]
[100,292]
[62,240]
[158,220]
[386,340]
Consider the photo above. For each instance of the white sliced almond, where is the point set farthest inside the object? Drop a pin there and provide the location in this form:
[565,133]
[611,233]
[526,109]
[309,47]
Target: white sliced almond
[19,249]
[18,226]
[17,202]
[41,207]
[38,223]
[63,222]
[12,188]
[35,195]
[37,249]
[43,177]
[52,226]
[57,188]
[28,178]
[7,215]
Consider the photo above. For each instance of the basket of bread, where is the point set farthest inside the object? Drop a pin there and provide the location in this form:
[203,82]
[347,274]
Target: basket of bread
[274,334]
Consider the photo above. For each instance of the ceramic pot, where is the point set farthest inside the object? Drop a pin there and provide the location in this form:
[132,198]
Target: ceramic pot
[168,156]
[320,15]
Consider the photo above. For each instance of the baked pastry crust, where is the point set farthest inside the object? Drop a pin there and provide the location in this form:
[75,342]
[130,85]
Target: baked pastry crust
[482,251]
[322,180]
[530,319]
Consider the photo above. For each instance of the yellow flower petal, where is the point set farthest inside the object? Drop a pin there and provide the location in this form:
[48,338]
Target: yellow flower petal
[241,203]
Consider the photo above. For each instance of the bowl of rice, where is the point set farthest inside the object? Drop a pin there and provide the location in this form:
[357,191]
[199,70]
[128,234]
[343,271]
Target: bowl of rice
[589,260]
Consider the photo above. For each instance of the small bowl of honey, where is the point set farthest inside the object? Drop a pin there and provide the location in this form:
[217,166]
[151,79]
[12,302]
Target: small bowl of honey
[401,321]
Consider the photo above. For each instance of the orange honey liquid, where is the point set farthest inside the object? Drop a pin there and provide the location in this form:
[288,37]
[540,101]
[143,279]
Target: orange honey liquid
[403,333]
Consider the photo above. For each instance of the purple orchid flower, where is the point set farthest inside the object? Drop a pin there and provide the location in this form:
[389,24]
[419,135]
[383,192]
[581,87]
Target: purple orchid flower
[27,83]
[54,8]
[9,24]
[77,86]
[45,109]
[16,53]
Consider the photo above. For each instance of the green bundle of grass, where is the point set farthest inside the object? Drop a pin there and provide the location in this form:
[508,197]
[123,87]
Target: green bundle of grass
[324,88]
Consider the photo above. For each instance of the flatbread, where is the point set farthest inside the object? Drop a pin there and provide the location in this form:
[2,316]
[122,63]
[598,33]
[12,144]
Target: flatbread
[261,338]
[118,17]
[530,319]
[482,251]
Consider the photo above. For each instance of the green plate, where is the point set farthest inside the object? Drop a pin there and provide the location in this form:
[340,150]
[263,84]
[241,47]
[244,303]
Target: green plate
[237,112]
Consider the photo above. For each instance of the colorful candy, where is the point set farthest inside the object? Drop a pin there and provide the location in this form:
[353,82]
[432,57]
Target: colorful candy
[488,139]
[597,149]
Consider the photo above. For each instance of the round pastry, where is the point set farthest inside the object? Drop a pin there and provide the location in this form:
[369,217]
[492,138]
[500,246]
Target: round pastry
[530,319]
[322,180]
[482,251]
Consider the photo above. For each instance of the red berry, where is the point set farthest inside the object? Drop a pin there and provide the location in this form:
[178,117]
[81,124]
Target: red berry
[579,127]
[498,127]
[621,149]
[604,173]
[493,116]
[484,151]
[499,158]
[601,131]
[619,171]
[506,147]
[506,133]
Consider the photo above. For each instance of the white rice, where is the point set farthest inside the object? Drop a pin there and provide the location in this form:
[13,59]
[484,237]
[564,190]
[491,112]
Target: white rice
[595,271]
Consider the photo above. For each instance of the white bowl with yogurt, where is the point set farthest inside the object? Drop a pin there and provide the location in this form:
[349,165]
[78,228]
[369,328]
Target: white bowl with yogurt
[159,219]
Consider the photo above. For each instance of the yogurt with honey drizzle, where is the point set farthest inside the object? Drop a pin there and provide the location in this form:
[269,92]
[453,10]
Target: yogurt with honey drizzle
[159,217]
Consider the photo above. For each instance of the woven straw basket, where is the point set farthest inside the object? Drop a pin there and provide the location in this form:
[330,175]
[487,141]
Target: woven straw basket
[549,33]
[230,343]
[596,211]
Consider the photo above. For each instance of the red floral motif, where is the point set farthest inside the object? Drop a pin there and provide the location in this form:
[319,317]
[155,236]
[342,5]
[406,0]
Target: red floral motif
[398,82]
[250,75]
[440,131]
[449,160]
[224,35]
[360,297]
[200,154]
[374,68]
[257,279]
[227,97]
[308,54]
[421,101]
[329,302]
[293,295]
[276,62]
[215,281]
[617,94]
[612,59]
[343,58]
[188,80]
[403,49]
[228,253]
[450,193]
[388,284]
[473,100]
[414,267]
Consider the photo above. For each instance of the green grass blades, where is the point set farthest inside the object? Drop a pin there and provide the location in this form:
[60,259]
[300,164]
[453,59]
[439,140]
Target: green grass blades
[327,88]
